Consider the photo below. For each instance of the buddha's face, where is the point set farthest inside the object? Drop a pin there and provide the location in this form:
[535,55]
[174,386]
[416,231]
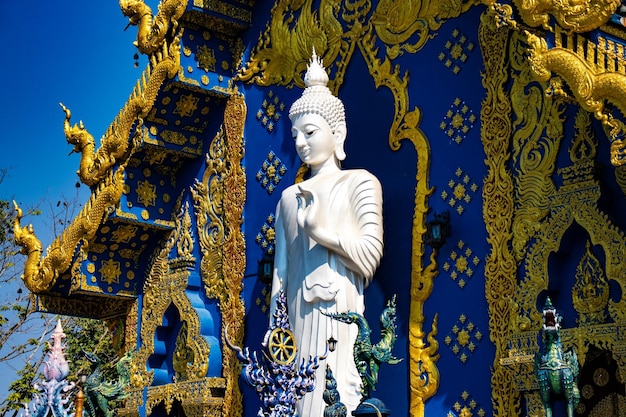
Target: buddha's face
[314,140]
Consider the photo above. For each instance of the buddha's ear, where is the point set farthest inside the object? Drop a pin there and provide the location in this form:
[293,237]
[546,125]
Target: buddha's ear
[340,137]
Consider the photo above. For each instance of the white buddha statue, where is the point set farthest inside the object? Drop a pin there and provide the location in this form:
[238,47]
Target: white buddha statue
[329,240]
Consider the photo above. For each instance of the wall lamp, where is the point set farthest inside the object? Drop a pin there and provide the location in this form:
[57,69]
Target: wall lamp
[438,230]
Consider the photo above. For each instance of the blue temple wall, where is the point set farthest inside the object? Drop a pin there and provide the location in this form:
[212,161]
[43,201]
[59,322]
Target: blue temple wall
[437,90]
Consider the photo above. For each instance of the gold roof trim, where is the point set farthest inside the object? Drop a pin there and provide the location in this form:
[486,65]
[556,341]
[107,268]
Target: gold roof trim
[115,145]
[40,274]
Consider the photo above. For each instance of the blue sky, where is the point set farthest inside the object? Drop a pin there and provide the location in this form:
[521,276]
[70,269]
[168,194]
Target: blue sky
[68,51]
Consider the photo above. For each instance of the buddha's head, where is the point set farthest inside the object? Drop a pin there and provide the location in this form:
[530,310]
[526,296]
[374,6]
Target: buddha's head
[318,100]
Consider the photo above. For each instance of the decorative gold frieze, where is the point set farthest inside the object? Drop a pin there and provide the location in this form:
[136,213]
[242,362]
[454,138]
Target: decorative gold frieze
[198,398]
[398,21]
[83,307]
[498,204]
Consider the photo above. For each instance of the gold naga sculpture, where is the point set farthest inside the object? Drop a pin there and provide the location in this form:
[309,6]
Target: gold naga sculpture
[572,15]
[151,30]
[96,167]
[40,274]
[164,63]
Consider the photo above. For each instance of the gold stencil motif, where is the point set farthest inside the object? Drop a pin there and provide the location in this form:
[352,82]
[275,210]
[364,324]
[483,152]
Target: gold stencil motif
[461,263]
[466,406]
[463,338]
[458,121]
[460,190]
[266,236]
[456,52]
[271,172]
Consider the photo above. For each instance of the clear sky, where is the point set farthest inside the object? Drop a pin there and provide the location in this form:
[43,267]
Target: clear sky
[69,51]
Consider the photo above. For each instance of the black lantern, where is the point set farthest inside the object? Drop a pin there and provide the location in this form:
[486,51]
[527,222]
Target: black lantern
[438,230]
[266,269]
[332,344]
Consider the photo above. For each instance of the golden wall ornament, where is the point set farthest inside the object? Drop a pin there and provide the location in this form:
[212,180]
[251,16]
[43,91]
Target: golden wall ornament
[590,293]
[593,73]
[498,204]
[573,15]
[397,21]
[284,49]
[538,131]
[219,199]
[166,287]
[576,201]
[40,274]
[196,397]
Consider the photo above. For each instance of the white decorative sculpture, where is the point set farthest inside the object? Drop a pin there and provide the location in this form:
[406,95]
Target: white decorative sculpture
[329,240]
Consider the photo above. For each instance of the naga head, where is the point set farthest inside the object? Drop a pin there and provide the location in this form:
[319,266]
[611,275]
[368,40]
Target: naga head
[92,358]
[76,135]
[551,319]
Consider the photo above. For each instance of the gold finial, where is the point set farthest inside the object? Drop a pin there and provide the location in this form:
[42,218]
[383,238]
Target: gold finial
[317,98]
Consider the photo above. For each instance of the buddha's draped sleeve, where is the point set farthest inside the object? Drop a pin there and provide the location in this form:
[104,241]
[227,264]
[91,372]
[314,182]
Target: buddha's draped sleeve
[364,246]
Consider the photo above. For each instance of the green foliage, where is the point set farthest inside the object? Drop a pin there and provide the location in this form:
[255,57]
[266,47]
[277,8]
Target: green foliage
[21,390]
[89,335]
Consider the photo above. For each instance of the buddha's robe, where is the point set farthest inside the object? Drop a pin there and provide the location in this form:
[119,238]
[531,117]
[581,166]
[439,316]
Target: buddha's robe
[317,280]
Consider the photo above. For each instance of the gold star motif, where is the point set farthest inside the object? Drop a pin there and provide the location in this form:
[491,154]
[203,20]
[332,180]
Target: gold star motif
[110,271]
[146,193]
[186,105]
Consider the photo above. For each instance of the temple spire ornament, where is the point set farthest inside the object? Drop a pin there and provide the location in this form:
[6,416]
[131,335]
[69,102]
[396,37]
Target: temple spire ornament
[53,397]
